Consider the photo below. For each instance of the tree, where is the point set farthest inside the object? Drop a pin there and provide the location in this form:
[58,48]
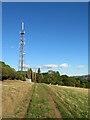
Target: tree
[5,74]
[39,71]
[29,73]
[39,76]
[10,73]
[68,81]
[32,76]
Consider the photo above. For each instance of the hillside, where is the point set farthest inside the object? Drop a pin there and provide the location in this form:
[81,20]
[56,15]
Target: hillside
[10,73]
[39,100]
[87,77]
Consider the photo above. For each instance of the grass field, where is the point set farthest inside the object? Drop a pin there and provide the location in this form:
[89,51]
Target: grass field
[33,100]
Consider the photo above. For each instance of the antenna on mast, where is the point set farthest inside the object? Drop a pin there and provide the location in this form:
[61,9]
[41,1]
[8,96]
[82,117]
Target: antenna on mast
[22,26]
[21,65]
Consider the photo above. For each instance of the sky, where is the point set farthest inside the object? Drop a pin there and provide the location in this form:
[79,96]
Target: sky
[56,36]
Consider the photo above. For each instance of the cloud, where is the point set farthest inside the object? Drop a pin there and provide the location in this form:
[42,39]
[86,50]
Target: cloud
[51,66]
[80,66]
[26,66]
[12,47]
[39,67]
[64,65]
[48,66]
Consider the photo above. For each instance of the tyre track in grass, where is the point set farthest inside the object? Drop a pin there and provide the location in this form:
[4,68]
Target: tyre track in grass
[61,108]
[36,109]
[30,101]
[22,108]
[53,103]
[42,104]
[15,98]
[68,106]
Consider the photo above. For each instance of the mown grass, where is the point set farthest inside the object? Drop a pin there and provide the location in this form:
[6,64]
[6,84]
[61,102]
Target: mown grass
[15,97]
[72,103]
[24,103]
[40,106]
[25,100]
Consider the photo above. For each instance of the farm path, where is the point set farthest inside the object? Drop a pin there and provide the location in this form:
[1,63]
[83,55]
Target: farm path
[42,104]
[52,100]
[21,99]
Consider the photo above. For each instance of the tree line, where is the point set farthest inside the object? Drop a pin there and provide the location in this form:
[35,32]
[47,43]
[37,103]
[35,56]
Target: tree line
[10,73]
[51,77]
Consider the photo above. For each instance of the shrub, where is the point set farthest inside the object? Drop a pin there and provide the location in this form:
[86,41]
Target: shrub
[10,73]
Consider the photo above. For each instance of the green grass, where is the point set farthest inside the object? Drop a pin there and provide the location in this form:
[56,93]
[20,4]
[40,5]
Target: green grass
[40,104]
[15,98]
[72,103]
[44,101]
[21,106]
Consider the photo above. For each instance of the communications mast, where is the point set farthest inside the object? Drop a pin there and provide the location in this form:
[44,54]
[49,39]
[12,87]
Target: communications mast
[21,65]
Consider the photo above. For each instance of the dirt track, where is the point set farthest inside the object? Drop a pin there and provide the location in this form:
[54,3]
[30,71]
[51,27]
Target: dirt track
[32,100]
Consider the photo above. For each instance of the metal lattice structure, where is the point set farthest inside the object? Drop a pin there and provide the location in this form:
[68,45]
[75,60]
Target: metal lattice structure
[21,65]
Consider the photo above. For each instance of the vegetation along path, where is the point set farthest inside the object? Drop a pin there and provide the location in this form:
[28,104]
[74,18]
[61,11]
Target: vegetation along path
[42,104]
[38,100]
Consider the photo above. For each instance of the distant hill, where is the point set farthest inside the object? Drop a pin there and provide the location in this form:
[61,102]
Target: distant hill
[87,77]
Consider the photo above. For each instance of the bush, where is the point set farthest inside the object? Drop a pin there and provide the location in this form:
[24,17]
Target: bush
[10,73]
[55,78]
